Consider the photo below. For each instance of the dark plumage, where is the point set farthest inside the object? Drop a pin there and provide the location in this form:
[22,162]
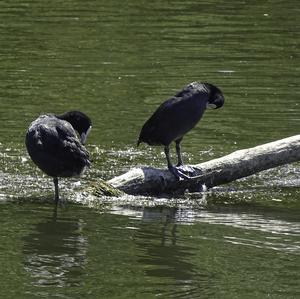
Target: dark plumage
[178,115]
[53,145]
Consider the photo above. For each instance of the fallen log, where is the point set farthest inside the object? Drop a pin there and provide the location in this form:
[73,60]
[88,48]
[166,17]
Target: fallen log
[239,164]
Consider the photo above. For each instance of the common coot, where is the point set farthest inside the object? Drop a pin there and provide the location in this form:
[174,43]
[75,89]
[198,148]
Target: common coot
[54,147]
[178,115]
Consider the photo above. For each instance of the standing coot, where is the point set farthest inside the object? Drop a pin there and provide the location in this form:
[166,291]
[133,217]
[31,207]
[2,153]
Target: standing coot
[54,147]
[178,115]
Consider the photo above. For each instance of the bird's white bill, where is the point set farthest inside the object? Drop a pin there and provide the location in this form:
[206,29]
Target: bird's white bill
[211,106]
[84,136]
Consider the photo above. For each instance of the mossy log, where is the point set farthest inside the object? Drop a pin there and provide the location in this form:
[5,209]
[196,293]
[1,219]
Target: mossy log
[239,164]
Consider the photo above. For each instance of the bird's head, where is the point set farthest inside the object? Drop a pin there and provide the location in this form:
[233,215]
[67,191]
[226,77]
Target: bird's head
[80,122]
[216,98]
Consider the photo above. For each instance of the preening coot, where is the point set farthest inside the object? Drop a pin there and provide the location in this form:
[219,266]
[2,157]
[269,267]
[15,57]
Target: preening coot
[54,147]
[178,115]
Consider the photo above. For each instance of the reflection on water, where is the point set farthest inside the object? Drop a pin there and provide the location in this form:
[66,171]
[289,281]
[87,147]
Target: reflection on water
[186,248]
[151,251]
[163,254]
[55,252]
[284,233]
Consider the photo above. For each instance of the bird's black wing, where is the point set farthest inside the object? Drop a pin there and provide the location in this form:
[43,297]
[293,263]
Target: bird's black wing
[174,117]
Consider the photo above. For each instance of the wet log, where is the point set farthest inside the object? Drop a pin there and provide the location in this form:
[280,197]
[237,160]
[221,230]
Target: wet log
[239,164]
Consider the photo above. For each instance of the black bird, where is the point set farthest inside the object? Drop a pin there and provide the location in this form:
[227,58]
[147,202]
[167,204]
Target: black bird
[178,115]
[54,147]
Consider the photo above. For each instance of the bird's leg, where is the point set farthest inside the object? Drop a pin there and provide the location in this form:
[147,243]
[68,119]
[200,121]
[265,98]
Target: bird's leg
[175,171]
[167,153]
[56,199]
[178,151]
[180,167]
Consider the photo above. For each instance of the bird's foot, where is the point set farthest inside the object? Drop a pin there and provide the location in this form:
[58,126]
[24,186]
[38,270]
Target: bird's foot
[182,172]
[179,175]
[186,168]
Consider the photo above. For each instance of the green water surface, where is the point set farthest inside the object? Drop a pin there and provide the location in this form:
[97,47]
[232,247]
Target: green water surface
[117,61]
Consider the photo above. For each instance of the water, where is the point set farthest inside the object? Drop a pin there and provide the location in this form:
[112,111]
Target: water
[116,61]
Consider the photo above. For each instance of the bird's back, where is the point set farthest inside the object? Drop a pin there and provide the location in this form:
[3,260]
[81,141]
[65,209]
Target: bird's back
[175,117]
[54,147]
